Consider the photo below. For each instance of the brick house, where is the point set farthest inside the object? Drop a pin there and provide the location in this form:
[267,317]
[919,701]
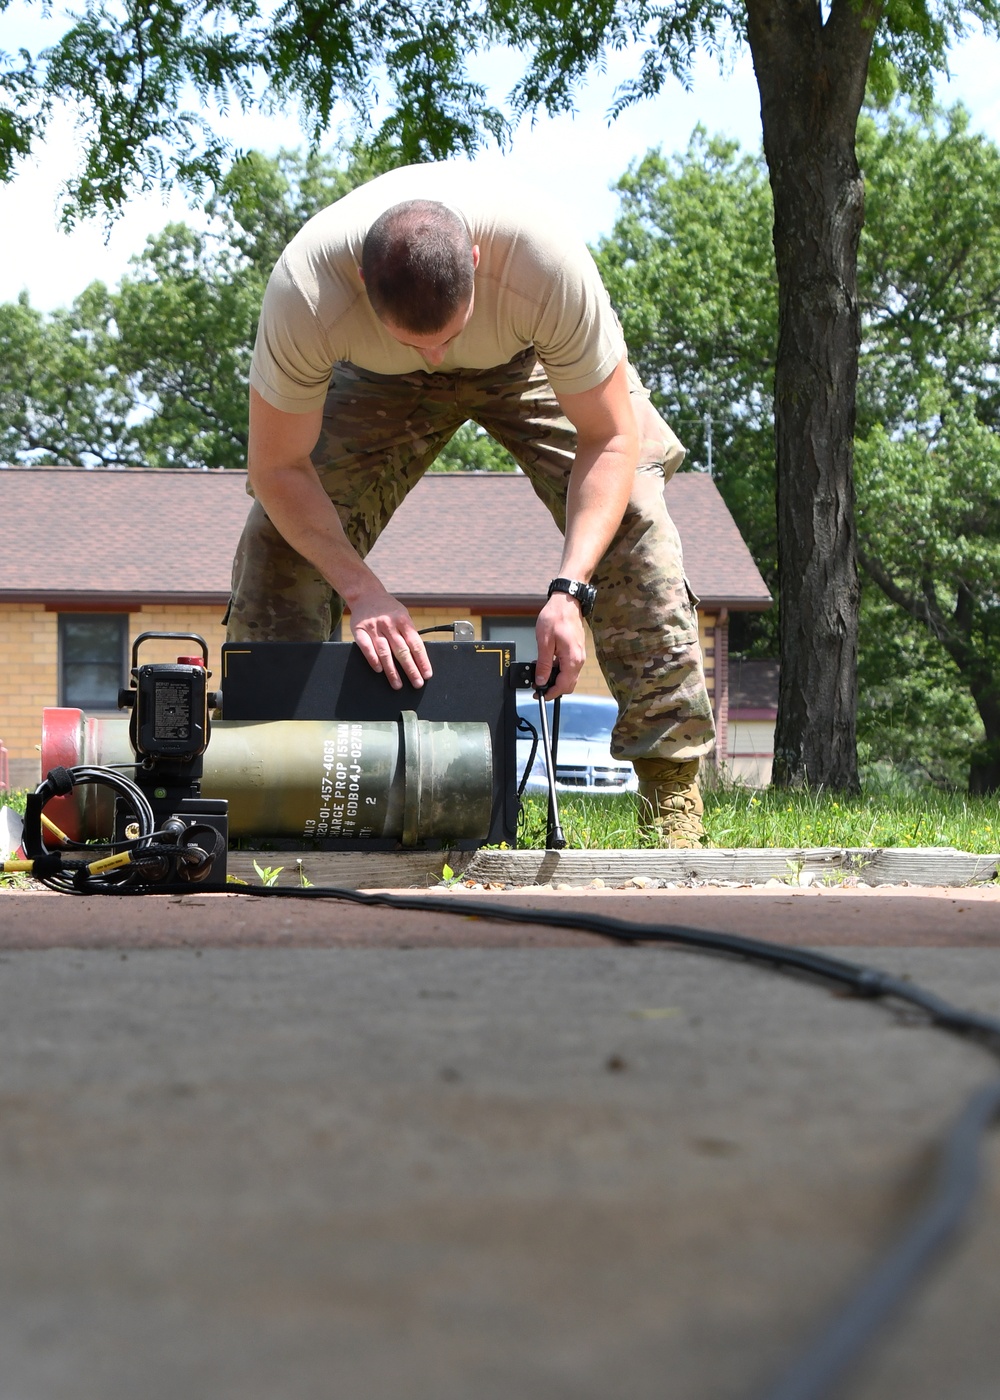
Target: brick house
[753,709]
[89,559]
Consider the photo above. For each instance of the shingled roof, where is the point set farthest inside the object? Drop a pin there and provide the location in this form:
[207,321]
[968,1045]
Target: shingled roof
[482,539]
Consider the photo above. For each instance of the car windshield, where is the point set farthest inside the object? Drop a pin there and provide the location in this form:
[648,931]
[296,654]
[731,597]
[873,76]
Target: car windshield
[590,722]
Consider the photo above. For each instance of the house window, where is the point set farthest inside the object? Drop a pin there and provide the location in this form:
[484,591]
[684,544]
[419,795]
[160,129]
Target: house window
[519,630]
[93,654]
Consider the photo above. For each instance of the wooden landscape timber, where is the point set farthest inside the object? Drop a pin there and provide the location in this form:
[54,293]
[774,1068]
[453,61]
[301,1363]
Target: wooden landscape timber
[926,865]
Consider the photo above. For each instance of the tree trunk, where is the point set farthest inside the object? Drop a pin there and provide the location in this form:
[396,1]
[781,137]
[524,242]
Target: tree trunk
[811,78]
[984,765]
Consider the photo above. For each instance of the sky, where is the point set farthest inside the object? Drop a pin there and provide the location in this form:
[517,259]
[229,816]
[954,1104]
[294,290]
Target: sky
[575,159]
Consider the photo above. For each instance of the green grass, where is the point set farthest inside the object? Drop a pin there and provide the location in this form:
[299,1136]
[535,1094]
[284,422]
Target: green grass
[769,818]
[742,817]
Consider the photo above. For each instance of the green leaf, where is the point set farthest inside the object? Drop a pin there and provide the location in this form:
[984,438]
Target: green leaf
[268,875]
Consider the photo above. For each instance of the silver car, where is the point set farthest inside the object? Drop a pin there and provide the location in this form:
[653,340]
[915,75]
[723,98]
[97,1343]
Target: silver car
[583,755]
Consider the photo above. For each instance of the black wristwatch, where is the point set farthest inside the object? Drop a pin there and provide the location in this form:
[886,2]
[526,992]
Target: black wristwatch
[584,593]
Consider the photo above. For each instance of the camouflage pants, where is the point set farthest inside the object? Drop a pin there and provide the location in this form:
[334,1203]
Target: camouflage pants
[380,434]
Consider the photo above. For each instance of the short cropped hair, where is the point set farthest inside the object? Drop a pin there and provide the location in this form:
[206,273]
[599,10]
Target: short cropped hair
[418,266]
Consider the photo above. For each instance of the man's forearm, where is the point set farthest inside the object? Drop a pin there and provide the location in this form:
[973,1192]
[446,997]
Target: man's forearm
[285,483]
[599,489]
[304,516]
[600,484]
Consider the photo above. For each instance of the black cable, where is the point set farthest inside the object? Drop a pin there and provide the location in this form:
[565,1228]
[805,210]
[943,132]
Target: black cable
[72,877]
[68,844]
[824,1363]
[181,849]
[864,981]
[525,726]
[838,1347]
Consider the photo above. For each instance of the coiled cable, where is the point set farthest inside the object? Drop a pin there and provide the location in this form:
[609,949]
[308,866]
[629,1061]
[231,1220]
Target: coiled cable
[181,850]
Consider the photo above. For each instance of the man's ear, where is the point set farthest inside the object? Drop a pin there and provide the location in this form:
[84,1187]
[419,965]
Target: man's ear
[475,257]
[362,275]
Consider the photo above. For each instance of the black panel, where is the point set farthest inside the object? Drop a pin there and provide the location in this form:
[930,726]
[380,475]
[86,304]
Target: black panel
[332,680]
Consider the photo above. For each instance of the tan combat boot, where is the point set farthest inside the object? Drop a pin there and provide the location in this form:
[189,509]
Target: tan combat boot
[670,805]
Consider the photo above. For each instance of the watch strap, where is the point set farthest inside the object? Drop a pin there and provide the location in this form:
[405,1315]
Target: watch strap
[584,593]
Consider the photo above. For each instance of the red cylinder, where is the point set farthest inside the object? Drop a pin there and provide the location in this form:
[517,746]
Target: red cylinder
[71,738]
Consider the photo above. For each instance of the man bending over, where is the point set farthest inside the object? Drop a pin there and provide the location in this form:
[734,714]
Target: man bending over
[417,302]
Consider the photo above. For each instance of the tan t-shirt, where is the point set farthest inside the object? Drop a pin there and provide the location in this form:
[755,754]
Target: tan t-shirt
[536,284]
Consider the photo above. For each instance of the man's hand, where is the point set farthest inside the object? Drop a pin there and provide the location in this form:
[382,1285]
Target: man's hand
[384,631]
[560,636]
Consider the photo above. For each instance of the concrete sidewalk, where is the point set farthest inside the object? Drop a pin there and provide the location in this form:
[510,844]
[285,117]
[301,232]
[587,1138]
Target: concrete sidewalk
[289,1151]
